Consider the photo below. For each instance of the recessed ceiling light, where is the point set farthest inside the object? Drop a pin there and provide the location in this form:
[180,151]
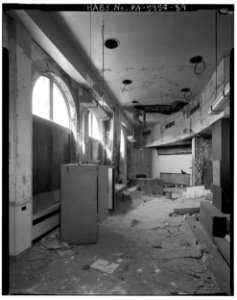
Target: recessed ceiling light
[127,81]
[185,90]
[196,59]
[112,43]
[135,101]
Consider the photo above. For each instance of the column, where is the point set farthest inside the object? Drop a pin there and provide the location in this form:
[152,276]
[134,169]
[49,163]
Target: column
[20,140]
[221,166]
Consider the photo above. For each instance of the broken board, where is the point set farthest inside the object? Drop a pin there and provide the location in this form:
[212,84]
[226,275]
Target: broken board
[104,266]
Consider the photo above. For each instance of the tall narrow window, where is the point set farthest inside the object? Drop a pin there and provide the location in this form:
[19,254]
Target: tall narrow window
[122,144]
[49,102]
[93,128]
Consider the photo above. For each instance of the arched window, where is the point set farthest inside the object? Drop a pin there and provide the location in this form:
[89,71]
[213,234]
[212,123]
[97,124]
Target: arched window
[93,126]
[49,101]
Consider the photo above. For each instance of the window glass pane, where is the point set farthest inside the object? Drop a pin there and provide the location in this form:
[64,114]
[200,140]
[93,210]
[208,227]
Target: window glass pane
[41,96]
[89,124]
[122,144]
[60,111]
[94,129]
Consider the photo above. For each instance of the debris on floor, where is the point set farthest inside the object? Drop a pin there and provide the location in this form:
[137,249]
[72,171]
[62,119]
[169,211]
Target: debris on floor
[134,222]
[196,191]
[86,267]
[105,266]
[53,243]
[66,253]
[145,250]
[186,210]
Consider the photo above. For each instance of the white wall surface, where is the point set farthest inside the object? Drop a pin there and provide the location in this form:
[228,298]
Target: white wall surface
[170,164]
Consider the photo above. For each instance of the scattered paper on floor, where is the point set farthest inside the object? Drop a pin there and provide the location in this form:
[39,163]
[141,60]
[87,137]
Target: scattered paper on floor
[105,266]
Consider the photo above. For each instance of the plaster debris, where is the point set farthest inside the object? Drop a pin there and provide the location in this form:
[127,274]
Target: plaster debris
[157,245]
[186,210]
[66,253]
[54,244]
[134,258]
[196,191]
[134,222]
[105,266]
[139,270]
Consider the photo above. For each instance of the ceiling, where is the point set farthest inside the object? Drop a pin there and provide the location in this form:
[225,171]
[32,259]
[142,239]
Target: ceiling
[154,52]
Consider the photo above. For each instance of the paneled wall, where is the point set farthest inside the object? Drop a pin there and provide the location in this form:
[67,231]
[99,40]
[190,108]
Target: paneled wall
[53,145]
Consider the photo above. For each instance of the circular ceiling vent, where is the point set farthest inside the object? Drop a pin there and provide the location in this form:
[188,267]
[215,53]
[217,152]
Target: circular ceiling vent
[196,59]
[185,90]
[112,43]
[127,81]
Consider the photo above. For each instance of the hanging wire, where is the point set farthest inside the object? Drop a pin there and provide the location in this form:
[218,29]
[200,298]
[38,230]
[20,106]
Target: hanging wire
[232,30]
[90,46]
[216,47]
[103,55]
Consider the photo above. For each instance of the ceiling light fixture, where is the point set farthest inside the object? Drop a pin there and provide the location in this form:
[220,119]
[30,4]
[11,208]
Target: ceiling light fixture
[112,43]
[196,59]
[200,64]
[187,93]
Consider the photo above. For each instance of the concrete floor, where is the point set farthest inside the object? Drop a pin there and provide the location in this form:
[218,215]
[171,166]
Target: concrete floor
[156,253]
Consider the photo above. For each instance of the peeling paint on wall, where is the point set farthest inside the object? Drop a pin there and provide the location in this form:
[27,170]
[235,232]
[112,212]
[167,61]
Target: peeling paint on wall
[202,162]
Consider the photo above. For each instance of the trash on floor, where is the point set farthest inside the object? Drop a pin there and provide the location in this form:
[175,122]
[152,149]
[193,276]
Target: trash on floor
[105,266]
[139,270]
[85,267]
[134,222]
[54,244]
[157,246]
[66,253]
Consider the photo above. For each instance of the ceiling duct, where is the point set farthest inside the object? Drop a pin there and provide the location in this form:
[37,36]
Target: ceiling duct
[221,101]
[90,102]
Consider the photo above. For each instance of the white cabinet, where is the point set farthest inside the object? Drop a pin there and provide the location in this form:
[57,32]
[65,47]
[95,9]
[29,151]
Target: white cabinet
[86,196]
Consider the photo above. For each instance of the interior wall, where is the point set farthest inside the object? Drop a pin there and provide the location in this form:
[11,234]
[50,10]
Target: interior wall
[140,163]
[20,137]
[170,163]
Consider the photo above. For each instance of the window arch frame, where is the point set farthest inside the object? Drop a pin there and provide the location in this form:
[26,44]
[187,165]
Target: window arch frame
[67,97]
